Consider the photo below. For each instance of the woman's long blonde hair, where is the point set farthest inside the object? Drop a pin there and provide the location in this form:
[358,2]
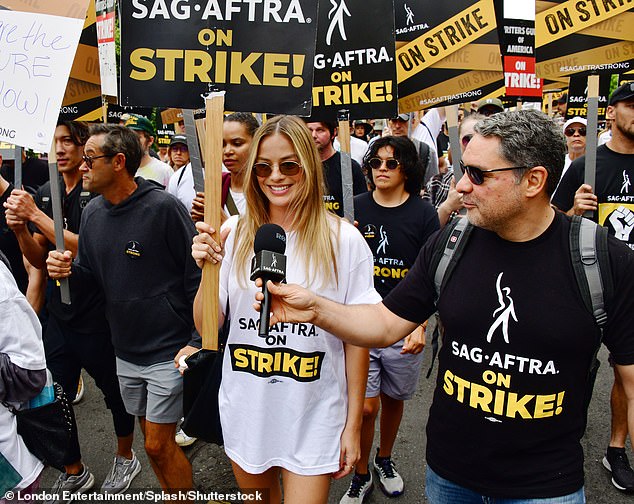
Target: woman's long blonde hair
[315,234]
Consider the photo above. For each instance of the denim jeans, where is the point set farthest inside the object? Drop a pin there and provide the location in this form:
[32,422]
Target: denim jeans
[442,491]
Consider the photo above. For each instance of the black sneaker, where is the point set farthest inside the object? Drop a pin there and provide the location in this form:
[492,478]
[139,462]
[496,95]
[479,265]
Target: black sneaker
[359,489]
[617,463]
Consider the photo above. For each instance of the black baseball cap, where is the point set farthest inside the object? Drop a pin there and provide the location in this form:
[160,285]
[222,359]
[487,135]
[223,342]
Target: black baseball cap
[621,93]
[178,139]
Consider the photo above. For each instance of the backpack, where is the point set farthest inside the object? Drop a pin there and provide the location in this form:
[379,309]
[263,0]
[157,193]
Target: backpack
[590,262]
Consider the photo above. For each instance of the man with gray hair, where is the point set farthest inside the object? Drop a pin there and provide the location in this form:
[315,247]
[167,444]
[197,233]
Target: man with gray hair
[134,245]
[513,380]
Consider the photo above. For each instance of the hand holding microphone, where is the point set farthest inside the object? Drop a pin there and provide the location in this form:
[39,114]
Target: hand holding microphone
[269,263]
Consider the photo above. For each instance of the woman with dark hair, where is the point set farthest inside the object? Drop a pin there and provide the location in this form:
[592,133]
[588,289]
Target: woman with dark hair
[403,150]
[396,223]
[237,133]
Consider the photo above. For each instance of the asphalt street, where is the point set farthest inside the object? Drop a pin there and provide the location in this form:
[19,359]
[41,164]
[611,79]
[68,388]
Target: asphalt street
[212,471]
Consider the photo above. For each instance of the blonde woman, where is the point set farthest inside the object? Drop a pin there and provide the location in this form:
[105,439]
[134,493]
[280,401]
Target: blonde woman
[291,404]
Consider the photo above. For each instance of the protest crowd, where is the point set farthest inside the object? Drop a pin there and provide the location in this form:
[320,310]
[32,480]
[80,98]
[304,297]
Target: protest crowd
[342,251]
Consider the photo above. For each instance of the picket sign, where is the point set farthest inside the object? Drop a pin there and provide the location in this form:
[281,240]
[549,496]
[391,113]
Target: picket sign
[591,137]
[346,164]
[215,104]
[58,218]
[454,139]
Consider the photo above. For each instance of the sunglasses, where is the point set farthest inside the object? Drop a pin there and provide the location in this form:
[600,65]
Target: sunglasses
[89,159]
[391,164]
[465,140]
[286,168]
[476,175]
[571,131]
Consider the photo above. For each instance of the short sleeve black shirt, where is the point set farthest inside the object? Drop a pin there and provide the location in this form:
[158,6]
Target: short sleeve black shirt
[509,405]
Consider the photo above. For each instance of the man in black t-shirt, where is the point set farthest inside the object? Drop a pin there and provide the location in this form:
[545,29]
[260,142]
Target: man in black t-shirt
[395,223]
[324,134]
[77,336]
[510,402]
[613,197]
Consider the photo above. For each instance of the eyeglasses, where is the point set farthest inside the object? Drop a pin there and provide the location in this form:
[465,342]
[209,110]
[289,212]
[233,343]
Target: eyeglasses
[465,140]
[89,159]
[391,164]
[179,148]
[476,175]
[286,168]
[571,131]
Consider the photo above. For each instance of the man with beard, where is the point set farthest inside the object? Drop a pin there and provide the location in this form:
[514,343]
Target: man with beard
[613,197]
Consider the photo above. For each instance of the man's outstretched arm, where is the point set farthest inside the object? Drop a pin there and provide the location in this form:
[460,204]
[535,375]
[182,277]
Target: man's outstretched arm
[362,325]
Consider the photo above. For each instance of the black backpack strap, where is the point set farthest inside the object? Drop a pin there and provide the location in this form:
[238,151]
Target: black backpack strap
[231,205]
[593,272]
[447,252]
[591,264]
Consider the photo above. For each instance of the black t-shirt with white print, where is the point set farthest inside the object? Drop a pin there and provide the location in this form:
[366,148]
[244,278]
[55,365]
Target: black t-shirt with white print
[614,189]
[509,405]
[395,235]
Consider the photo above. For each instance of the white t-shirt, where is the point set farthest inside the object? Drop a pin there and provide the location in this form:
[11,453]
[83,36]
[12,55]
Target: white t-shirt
[156,170]
[358,148]
[239,200]
[181,185]
[604,137]
[429,127]
[283,401]
[21,340]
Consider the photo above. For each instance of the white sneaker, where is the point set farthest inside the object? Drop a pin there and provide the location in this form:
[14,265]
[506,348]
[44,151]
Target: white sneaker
[390,481]
[183,439]
[358,490]
[80,391]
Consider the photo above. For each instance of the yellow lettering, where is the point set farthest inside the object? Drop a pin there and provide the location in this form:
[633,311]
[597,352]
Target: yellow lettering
[275,68]
[241,359]
[544,406]
[146,69]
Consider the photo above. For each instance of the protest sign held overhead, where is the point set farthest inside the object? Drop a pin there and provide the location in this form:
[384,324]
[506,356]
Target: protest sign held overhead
[117,113]
[354,64]
[105,10]
[518,51]
[578,96]
[37,46]
[82,98]
[584,36]
[447,53]
[260,53]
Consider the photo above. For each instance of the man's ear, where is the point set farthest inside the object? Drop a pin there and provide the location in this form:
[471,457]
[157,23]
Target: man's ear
[609,112]
[118,162]
[536,179]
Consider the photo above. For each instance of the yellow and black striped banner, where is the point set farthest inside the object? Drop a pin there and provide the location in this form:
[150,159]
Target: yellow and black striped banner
[82,99]
[446,54]
[580,36]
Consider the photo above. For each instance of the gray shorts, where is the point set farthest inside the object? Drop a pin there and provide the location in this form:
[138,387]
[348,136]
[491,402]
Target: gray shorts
[154,392]
[393,373]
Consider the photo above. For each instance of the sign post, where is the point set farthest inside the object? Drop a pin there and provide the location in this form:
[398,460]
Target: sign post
[213,184]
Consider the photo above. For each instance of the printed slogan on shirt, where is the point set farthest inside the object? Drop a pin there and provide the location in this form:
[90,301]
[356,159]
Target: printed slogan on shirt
[267,362]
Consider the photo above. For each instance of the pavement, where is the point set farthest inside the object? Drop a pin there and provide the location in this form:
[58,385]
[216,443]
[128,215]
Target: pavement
[212,471]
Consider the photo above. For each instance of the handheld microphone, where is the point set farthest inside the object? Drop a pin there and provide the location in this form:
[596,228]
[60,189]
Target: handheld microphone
[269,263]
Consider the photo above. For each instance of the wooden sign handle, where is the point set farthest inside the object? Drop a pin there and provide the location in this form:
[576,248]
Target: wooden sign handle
[213,199]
